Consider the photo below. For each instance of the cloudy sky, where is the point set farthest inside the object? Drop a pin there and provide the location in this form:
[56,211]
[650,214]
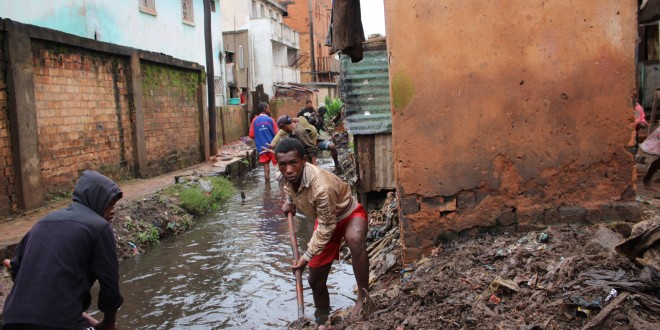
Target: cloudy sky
[373,16]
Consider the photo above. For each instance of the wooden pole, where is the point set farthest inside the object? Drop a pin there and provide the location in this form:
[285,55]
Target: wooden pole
[298,273]
[210,78]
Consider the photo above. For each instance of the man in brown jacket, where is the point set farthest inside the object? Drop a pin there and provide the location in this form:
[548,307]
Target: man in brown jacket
[322,195]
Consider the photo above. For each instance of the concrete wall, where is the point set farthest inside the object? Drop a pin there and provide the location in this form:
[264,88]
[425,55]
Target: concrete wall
[122,23]
[233,123]
[235,14]
[510,114]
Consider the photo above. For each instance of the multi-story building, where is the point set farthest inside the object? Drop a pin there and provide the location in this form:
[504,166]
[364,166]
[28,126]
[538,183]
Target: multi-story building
[175,28]
[260,49]
[311,18]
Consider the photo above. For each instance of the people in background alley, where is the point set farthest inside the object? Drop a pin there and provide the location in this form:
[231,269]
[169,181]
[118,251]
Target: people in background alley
[263,130]
[324,196]
[640,122]
[324,140]
[61,257]
[651,146]
[300,130]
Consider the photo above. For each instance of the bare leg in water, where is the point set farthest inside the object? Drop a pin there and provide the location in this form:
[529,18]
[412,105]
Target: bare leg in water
[267,171]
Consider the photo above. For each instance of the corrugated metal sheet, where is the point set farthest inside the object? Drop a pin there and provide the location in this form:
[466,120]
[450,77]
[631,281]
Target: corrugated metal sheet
[365,88]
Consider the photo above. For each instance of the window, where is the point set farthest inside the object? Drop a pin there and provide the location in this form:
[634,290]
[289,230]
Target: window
[187,10]
[147,6]
[241,63]
[229,57]
[261,13]
[254,9]
[212,5]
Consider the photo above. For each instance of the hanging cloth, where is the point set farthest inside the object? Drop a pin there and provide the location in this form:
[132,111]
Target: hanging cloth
[346,33]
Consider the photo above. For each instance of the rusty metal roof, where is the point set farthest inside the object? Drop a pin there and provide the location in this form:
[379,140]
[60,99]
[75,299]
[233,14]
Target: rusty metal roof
[365,89]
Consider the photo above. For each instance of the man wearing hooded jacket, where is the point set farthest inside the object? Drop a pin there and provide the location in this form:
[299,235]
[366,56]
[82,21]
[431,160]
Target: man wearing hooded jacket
[61,257]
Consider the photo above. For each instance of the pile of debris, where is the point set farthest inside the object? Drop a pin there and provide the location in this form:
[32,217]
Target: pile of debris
[346,157]
[562,278]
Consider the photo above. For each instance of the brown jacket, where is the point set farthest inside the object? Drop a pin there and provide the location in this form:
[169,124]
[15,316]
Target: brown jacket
[324,196]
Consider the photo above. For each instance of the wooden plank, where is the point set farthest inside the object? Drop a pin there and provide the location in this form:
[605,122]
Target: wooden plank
[364,155]
[383,162]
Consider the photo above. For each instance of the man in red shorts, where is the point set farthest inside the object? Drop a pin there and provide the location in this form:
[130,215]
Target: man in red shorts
[263,130]
[319,194]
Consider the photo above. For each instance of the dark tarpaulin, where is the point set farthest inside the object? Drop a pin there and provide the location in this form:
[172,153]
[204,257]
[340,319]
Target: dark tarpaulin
[650,12]
[346,33]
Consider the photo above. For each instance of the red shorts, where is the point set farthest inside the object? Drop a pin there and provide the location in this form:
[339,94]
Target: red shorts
[267,157]
[331,251]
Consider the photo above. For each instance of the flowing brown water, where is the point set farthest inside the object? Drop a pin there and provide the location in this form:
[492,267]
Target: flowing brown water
[230,271]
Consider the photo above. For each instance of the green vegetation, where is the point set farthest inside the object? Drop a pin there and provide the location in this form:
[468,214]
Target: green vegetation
[157,77]
[198,202]
[58,196]
[333,106]
[145,232]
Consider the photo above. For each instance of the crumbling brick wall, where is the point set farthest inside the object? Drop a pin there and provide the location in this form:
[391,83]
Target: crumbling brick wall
[517,120]
[171,117]
[289,102]
[7,179]
[82,114]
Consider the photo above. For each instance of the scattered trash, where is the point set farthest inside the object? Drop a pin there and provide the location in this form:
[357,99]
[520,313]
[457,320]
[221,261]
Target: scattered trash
[583,310]
[206,186]
[135,249]
[499,283]
[494,299]
[612,295]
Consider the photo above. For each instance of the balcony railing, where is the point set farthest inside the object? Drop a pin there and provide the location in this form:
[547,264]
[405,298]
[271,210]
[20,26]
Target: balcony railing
[283,74]
[284,34]
[327,64]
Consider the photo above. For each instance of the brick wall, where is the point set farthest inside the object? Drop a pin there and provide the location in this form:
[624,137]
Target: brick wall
[171,117]
[82,114]
[7,179]
[306,66]
[289,102]
[298,19]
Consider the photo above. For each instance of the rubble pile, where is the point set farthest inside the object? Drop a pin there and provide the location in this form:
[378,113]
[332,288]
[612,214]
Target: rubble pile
[562,278]
[346,157]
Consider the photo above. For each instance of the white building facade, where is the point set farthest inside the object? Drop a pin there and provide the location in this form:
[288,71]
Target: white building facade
[175,28]
[262,50]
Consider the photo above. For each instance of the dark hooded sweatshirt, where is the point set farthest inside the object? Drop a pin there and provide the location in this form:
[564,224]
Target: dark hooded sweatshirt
[61,257]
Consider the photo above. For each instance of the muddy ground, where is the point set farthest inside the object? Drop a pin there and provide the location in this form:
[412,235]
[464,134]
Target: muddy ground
[559,278]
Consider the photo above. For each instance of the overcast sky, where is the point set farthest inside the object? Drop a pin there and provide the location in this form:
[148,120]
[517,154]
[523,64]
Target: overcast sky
[373,16]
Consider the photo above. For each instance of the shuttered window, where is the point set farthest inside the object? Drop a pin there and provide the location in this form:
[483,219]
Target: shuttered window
[147,6]
[187,10]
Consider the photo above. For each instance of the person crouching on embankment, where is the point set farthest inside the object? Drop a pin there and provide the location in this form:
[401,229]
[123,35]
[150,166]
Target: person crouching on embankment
[61,257]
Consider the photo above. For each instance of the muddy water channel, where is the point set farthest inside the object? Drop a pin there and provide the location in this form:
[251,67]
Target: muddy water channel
[230,271]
